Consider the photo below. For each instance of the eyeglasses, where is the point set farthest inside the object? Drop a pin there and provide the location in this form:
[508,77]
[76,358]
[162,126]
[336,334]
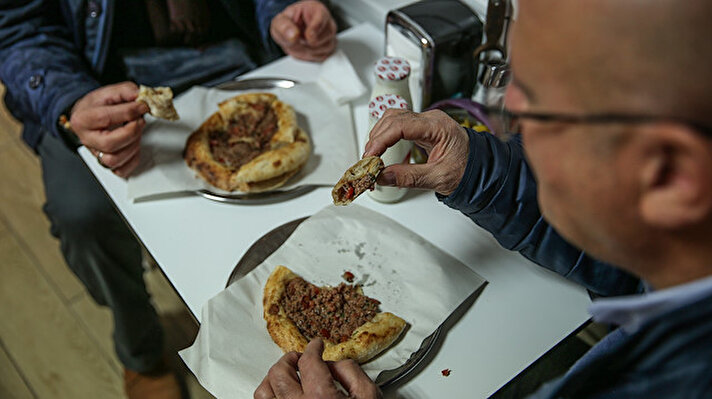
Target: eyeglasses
[506,122]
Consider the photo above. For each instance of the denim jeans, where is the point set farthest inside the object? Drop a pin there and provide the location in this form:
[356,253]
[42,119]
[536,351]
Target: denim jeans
[101,251]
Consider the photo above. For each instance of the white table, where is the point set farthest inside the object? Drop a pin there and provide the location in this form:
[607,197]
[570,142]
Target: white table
[524,310]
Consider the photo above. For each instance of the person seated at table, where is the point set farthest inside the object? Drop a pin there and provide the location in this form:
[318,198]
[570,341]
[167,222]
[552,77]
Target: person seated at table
[81,58]
[616,125]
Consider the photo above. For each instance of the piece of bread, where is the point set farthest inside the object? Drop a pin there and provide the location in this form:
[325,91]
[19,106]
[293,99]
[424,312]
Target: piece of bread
[357,179]
[159,101]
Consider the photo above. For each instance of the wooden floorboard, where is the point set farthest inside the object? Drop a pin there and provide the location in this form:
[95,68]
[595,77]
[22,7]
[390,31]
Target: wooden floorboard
[12,385]
[9,127]
[99,324]
[49,345]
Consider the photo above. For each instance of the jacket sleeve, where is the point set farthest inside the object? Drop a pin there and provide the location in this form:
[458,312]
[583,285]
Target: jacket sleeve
[498,192]
[39,64]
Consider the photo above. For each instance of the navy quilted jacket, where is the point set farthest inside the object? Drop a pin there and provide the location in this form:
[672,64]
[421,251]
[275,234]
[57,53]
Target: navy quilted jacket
[498,192]
[52,52]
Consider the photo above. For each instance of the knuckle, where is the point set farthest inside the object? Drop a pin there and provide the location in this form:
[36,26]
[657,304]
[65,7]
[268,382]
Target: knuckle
[273,372]
[409,179]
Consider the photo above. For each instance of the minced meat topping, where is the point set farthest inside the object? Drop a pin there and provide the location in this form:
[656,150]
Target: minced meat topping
[354,189]
[329,313]
[245,138]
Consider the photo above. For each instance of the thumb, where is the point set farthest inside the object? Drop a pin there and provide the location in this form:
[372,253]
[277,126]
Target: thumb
[286,28]
[408,175]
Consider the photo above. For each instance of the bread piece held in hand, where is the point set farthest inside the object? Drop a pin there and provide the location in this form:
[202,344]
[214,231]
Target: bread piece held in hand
[159,101]
[357,179]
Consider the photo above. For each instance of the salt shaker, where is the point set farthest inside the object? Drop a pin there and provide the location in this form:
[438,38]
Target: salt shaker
[392,75]
[397,153]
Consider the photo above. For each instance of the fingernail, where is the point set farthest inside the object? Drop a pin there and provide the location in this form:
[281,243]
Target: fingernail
[291,33]
[387,179]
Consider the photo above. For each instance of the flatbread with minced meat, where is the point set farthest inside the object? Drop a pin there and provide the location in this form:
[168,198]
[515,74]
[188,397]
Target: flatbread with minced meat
[349,322]
[357,179]
[251,144]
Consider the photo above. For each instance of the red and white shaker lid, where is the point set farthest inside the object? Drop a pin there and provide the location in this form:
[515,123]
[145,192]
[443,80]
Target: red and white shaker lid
[391,68]
[380,104]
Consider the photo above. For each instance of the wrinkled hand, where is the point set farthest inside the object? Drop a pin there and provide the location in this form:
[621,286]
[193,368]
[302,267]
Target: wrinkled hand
[445,141]
[305,30]
[316,377]
[110,121]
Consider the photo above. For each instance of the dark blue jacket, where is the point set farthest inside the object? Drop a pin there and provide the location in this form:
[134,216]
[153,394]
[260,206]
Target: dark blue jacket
[669,357]
[52,52]
[498,192]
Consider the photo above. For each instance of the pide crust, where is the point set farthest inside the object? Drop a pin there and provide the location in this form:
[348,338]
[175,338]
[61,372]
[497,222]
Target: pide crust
[367,168]
[367,341]
[287,152]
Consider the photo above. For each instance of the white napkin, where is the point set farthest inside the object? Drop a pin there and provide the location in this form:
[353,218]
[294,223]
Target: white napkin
[411,277]
[163,171]
[339,80]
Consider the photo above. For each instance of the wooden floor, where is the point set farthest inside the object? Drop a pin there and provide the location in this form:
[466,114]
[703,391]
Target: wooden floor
[55,342]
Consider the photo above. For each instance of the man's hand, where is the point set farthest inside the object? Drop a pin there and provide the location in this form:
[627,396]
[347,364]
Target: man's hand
[316,377]
[109,122]
[305,30]
[445,141]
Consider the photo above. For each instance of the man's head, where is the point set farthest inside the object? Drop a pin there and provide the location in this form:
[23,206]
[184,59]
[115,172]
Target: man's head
[635,194]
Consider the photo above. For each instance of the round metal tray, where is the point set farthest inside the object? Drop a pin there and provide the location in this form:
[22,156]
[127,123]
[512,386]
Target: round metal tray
[267,244]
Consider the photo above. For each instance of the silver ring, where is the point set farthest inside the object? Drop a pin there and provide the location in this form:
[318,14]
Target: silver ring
[99,156]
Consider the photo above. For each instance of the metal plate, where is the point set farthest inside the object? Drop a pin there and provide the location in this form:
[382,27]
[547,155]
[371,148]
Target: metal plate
[267,196]
[268,243]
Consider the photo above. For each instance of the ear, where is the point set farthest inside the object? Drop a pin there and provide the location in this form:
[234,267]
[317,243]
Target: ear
[676,176]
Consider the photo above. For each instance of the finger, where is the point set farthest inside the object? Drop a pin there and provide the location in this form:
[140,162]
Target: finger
[316,376]
[324,50]
[120,158]
[409,175]
[317,23]
[283,377]
[128,167]
[100,118]
[354,379]
[116,94]
[322,40]
[264,390]
[388,130]
[284,31]
[308,54]
[110,141]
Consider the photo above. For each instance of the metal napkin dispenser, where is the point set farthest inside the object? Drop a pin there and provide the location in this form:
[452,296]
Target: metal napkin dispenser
[438,38]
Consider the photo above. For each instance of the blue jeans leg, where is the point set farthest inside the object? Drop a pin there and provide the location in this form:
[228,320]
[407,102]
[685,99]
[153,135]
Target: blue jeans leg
[101,251]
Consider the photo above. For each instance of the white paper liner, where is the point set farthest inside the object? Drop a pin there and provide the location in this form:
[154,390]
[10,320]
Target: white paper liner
[163,171]
[411,277]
